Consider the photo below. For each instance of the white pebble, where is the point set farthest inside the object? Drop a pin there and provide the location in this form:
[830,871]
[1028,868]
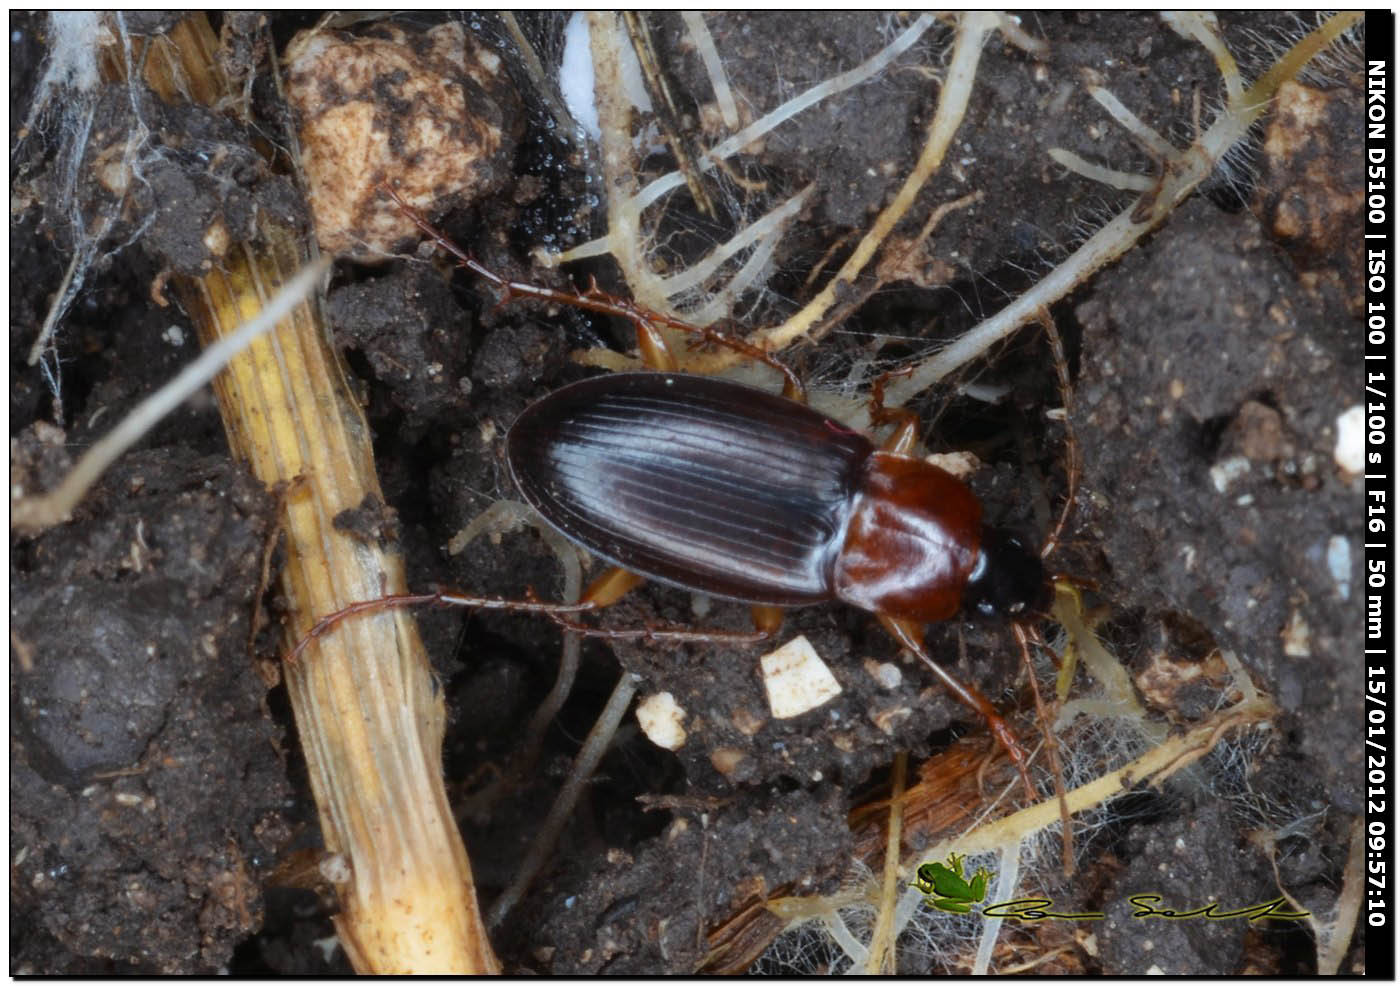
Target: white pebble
[660,718]
[1225,472]
[1350,450]
[1339,564]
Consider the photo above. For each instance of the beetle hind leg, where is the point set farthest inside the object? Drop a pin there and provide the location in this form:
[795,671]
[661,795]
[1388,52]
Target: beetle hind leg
[609,587]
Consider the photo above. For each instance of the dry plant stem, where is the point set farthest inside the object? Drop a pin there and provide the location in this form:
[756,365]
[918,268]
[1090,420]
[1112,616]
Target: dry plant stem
[1332,941]
[34,513]
[369,716]
[664,108]
[1185,170]
[544,87]
[584,765]
[881,960]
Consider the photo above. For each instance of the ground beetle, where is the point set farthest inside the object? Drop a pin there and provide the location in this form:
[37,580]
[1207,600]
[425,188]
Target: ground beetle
[738,493]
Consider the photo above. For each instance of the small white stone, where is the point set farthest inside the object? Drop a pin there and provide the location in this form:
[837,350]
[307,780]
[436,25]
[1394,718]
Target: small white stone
[660,718]
[796,679]
[1339,564]
[886,675]
[1297,636]
[1350,450]
[1225,472]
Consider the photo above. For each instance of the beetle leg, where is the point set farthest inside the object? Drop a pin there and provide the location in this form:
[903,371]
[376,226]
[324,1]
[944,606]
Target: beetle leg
[906,422]
[609,587]
[906,433]
[660,633]
[1024,636]
[768,619]
[910,637]
[648,323]
[656,354]
[405,600]
[1057,350]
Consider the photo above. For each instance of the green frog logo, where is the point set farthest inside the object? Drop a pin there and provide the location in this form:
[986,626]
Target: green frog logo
[947,888]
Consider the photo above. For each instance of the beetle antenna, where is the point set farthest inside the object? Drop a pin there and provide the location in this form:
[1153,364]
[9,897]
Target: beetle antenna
[907,637]
[1024,635]
[1057,349]
[595,299]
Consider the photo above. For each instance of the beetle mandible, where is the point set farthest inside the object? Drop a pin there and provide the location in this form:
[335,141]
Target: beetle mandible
[741,494]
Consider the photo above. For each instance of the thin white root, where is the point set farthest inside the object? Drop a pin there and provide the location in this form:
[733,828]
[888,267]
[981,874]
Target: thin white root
[1121,180]
[1204,29]
[1008,875]
[599,737]
[714,68]
[757,232]
[1156,145]
[1183,171]
[631,207]
[882,959]
[509,515]
[36,512]
[952,105]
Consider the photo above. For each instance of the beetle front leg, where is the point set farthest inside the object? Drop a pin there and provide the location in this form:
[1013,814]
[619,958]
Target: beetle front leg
[906,423]
[910,637]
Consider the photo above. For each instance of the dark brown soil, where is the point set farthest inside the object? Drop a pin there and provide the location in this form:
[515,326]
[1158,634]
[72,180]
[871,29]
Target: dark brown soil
[155,780]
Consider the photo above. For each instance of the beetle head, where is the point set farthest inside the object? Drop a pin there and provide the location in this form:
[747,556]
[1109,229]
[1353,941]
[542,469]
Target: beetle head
[1009,580]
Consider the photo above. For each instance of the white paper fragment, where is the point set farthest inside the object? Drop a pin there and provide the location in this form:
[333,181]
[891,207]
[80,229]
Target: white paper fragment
[796,679]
